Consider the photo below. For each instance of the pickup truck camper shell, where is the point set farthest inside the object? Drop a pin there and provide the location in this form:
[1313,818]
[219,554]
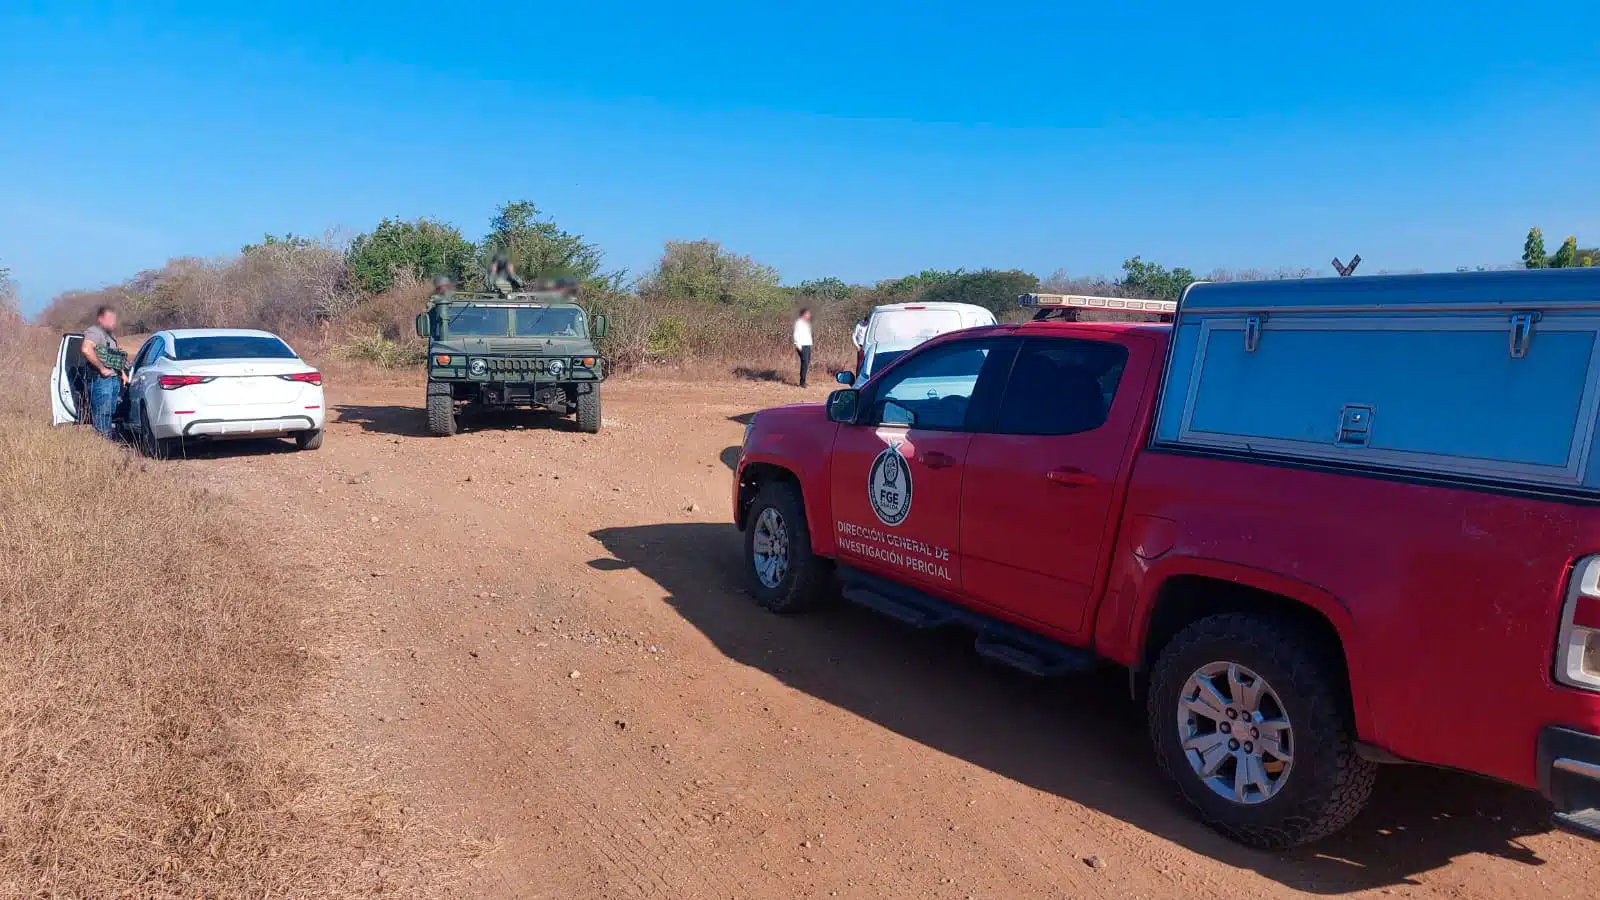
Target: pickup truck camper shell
[1395,374]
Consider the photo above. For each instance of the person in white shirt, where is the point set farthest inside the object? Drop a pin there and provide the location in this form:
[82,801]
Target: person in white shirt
[859,335]
[802,341]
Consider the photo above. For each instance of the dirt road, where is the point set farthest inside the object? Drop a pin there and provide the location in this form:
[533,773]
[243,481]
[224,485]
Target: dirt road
[547,646]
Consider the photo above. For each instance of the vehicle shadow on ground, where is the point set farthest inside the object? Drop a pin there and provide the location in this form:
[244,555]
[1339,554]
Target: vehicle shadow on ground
[397,421]
[1082,739]
[412,421]
[197,450]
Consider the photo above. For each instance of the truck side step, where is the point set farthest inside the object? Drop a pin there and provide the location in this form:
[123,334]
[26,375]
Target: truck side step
[997,640]
[1583,822]
[898,607]
[1029,653]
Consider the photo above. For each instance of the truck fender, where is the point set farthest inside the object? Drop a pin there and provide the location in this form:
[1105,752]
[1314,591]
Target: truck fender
[1159,572]
[813,480]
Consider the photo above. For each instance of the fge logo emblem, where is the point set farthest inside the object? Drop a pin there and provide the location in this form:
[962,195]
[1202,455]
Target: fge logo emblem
[889,486]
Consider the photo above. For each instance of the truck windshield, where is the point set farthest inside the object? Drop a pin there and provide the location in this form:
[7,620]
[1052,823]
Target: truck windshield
[549,321]
[881,360]
[478,321]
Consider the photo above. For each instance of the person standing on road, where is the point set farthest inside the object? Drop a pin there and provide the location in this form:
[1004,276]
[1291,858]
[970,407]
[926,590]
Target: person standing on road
[100,350]
[802,341]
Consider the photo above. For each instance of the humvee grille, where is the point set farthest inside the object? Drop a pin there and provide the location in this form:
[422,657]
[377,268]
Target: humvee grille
[519,365]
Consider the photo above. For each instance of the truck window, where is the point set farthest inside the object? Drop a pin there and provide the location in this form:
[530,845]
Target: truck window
[542,321]
[934,389]
[477,321]
[1061,386]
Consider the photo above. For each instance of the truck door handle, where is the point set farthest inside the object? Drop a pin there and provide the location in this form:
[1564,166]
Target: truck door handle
[1070,477]
[934,459]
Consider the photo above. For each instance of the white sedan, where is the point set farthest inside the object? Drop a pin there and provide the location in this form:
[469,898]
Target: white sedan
[207,384]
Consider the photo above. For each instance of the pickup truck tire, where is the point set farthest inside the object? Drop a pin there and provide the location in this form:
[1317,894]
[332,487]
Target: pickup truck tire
[1326,783]
[778,514]
[441,410]
[589,411]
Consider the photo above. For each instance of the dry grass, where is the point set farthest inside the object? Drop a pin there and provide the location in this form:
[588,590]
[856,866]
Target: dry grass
[156,729]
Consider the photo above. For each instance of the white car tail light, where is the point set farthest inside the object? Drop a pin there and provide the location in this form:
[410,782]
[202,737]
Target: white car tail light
[1578,653]
[308,377]
[173,382]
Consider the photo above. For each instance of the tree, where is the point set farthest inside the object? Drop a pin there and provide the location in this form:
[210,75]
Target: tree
[420,249]
[10,312]
[1567,256]
[995,290]
[1153,281]
[827,290]
[290,241]
[705,272]
[1533,249]
[540,249]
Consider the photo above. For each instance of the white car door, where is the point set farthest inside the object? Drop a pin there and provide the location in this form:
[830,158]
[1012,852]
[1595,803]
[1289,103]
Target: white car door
[63,404]
[142,377]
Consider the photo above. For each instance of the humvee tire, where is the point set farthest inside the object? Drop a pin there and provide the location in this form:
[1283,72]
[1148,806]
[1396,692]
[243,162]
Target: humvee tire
[589,411]
[441,410]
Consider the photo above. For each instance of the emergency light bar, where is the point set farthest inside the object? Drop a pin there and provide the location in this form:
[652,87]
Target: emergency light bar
[1059,301]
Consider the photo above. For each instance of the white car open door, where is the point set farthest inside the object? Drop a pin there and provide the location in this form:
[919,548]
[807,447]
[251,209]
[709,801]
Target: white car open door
[63,402]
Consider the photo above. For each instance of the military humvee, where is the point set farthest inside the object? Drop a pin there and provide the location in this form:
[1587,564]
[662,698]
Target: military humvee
[532,349]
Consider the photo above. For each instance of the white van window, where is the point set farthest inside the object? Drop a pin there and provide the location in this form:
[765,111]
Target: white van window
[904,327]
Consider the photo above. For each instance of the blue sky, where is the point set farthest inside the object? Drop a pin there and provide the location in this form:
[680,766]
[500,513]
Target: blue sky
[863,140]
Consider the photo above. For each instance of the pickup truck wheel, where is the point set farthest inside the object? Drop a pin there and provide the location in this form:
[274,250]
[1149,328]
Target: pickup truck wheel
[441,410]
[1250,721]
[783,574]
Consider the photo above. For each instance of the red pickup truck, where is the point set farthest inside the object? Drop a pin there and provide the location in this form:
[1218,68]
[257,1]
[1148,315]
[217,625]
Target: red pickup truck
[1324,525]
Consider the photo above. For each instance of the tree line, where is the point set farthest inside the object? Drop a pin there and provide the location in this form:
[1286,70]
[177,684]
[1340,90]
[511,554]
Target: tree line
[699,298]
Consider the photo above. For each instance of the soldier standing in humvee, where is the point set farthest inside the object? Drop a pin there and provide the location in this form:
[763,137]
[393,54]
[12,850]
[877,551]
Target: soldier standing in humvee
[503,276]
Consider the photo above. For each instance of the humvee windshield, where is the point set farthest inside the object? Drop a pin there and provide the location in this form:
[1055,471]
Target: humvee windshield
[515,321]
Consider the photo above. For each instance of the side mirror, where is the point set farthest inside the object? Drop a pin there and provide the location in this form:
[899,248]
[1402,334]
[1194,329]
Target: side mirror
[422,326]
[843,406]
[845,378]
[601,326]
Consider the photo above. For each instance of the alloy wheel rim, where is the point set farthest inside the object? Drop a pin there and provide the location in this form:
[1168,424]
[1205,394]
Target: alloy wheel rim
[770,546]
[1235,733]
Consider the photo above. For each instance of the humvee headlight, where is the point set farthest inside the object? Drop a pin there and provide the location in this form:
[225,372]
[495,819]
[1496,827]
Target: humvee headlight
[556,366]
[478,367]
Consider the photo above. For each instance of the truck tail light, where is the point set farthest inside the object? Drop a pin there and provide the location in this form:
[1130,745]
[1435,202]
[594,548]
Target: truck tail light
[173,382]
[1578,650]
[304,378]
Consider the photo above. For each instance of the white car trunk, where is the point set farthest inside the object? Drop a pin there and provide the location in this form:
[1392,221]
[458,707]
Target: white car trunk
[245,382]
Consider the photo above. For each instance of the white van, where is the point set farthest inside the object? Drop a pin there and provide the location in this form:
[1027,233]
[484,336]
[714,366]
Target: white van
[897,327]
